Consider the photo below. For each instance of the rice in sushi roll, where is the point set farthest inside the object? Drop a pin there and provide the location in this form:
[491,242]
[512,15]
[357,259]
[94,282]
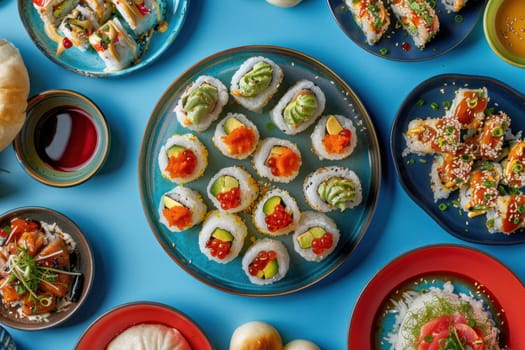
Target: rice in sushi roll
[183,158]
[232,189]
[201,103]
[181,208]
[316,236]
[333,187]
[114,45]
[431,135]
[514,165]
[53,11]
[334,137]
[221,237]
[492,136]
[508,215]
[255,82]
[454,5]
[266,261]
[141,15]
[480,193]
[276,213]
[236,136]
[468,106]
[78,25]
[418,19]
[372,18]
[277,159]
[299,107]
[102,9]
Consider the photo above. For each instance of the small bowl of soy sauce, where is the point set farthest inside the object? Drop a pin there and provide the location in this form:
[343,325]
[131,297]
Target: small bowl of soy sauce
[65,138]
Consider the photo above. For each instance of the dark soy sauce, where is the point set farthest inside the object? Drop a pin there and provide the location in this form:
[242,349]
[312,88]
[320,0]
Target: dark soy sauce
[66,138]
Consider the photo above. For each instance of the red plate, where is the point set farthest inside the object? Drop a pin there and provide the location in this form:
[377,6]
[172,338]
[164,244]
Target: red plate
[447,261]
[106,327]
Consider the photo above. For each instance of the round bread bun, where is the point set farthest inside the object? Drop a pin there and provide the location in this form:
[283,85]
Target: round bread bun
[149,336]
[301,344]
[256,335]
[14,91]
[284,3]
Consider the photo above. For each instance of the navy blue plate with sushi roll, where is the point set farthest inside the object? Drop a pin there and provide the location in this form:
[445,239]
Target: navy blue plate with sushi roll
[183,247]
[396,44]
[431,98]
[147,48]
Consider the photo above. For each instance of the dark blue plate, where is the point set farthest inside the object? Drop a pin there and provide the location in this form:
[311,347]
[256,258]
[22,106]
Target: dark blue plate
[413,170]
[454,28]
[365,161]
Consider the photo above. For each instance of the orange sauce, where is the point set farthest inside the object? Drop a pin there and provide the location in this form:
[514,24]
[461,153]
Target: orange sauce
[510,21]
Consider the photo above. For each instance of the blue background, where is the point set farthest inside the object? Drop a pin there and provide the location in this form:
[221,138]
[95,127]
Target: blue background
[130,263]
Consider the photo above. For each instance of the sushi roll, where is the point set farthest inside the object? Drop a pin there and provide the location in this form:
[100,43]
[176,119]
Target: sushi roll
[371,17]
[201,103]
[331,188]
[299,107]
[418,19]
[490,140]
[232,189]
[114,45]
[53,11]
[255,82]
[334,137]
[78,25]
[222,236]
[277,159]
[431,135]
[103,9]
[508,215]
[183,158]
[266,261]
[141,15]
[276,213]
[514,165]
[181,208]
[454,5]
[236,136]
[316,236]
[468,106]
[480,193]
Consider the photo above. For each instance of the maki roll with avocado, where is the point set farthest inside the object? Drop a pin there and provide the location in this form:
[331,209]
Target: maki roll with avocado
[334,137]
[53,11]
[372,18]
[299,108]
[232,189]
[255,82]
[316,236]
[266,261]
[141,15]
[78,25]
[222,236]
[418,19]
[181,208]
[276,213]
[201,103]
[332,188]
[236,136]
[183,158]
[277,159]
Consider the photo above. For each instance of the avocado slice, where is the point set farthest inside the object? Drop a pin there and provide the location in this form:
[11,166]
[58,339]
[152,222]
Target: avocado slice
[270,269]
[270,204]
[231,124]
[222,234]
[170,202]
[175,150]
[305,239]
[223,183]
[58,10]
[333,127]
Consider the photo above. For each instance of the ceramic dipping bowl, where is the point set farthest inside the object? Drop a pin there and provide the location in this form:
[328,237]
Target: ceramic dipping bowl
[504,27]
[65,139]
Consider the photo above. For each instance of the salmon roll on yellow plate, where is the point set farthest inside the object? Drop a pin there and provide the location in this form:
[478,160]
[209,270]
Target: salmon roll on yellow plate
[371,17]
[236,136]
[181,208]
[277,159]
[334,137]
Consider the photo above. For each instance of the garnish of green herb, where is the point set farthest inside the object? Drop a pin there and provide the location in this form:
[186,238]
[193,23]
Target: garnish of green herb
[489,111]
[270,126]
[443,206]
[458,18]
[446,104]
[420,102]
[422,160]
[383,51]
[434,106]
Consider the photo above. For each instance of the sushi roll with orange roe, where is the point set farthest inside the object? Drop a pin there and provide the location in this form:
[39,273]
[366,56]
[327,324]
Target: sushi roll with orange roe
[277,159]
[236,136]
[334,137]
[181,208]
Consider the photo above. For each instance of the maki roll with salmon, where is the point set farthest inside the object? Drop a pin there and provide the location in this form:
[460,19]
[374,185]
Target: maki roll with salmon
[316,236]
[183,158]
[114,45]
[276,213]
[201,103]
[141,15]
[299,107]
[371,17]
[181,208]
[277,159]
[454,5]
[418,19]
[78,25]
[489,141]
[221,237]
[514,165]
[480,193]
[468,106]
[508,215]
[255,82]
[52,12]
[334,137]
[331,188]
[232,189]
[236,136]
[431,135]
[103,9]
[266,261]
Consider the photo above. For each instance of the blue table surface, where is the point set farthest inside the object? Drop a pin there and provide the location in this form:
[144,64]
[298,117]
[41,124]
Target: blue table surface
[108,207]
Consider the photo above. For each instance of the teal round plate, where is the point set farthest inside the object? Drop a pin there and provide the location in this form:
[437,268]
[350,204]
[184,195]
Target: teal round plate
[88,62]
[365,161]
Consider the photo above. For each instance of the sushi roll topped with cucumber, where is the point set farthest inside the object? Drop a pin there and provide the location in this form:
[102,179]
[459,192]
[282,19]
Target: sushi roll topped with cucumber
[299,108]
[236,136]
[277,159]
[334,137]
[255,82]
[181,208]
[266,261]
[232,189]
[201,103]
[276,213]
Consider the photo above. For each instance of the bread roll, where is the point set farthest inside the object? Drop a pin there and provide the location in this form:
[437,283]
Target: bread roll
[14,91]
[301,344]
[256,335]
[149,337]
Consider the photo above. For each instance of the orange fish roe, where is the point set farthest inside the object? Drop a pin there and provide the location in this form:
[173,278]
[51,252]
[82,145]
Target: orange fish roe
[178,216]
[182,164]
[336,144]
[240,140]
[285,163]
